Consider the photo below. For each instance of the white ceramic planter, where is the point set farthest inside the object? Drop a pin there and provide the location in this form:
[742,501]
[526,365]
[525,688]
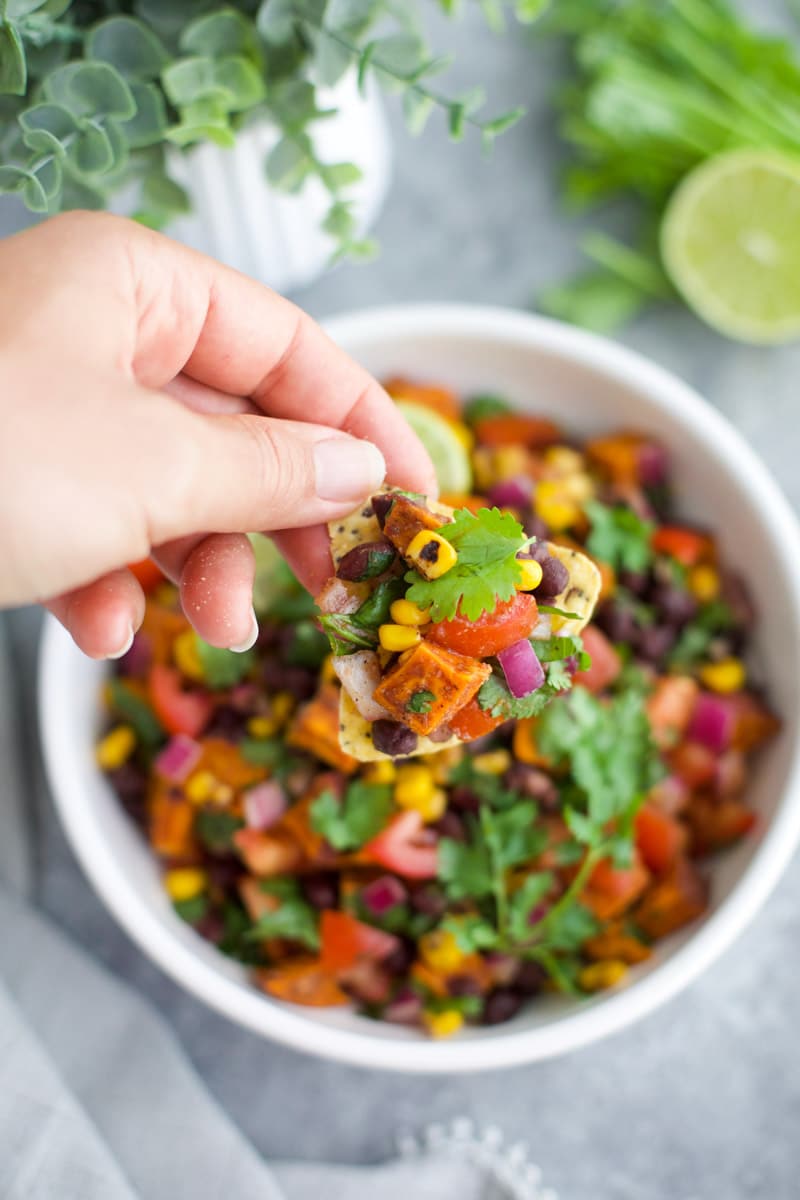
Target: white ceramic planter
[241,220]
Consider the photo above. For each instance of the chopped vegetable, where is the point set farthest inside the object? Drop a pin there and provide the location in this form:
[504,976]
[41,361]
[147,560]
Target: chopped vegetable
[346,824]
[451,679]
[489,633]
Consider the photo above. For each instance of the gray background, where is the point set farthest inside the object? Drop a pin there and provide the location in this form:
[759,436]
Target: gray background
[701,1100]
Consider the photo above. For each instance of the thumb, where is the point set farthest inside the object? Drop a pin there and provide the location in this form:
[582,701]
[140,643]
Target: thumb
[247,471]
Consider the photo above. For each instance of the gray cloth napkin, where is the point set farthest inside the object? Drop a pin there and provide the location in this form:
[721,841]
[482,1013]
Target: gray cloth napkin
[97,1099]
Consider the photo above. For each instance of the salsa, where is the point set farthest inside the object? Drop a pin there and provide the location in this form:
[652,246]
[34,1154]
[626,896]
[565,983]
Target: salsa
[542,847]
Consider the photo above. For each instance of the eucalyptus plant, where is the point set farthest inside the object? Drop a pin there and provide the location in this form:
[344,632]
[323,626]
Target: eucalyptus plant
[95,93]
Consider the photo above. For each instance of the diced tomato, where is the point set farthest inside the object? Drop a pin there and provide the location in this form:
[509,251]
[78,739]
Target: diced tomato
[717,823]
[440,399]
[511,621]
[399,848]
[612,890]
[669,708]
[606,663]
[302,981]
[695,764]
[345,940]
[674,901]
[472,721]
[688,546]
[177,710]
[514,429]
[659,838]
[147,573]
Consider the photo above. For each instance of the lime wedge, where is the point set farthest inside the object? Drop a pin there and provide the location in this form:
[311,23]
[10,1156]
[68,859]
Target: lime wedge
[730,240]
[448,453]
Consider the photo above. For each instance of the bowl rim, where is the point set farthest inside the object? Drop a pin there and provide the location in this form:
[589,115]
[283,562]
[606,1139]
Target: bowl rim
[609,1013]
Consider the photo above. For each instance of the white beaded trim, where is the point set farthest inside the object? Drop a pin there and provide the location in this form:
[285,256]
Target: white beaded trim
[509,1165]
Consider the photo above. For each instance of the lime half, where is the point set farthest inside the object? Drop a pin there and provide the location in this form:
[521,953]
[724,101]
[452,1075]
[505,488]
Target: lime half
[730,241]
[448,453]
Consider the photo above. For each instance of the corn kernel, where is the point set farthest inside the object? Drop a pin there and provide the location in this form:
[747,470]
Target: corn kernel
[222,794]
[414,785]
[433,809]
[405,612]
[508,461]
[282,706]
[441,951]
[116,747]
[184,652]
[398,637]
[601,975]
[563,460]
[530,575]
[704,583]
[200,787]
[464,434]
[727,675]
[554,507]
[183,883]
[483,468]
[494,762]
[380,772]
[443,1024]
[578,487]
[431,554]
[327,673]
[262,727]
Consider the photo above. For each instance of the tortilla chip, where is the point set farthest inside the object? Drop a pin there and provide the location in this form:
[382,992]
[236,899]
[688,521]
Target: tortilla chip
[579,596]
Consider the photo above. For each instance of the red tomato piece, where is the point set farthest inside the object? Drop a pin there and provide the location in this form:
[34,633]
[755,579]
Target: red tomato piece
[398,847]
[345,940]
[517,430]
[659,838]
[511,621]
[178,711]
[472,721]
[147,573]
[686,545]
[606,663]
[612,890]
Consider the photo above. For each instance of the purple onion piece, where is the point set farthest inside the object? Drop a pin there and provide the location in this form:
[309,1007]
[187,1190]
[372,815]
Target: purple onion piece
[264,804]
[522,669]
[653,464]
[712,722]
[383,894]
[405,1008]
[136,661]
[511,493]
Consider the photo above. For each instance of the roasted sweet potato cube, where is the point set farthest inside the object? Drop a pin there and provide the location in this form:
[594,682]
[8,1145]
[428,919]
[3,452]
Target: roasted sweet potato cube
[315,728]
[428,685]
[672,902]
[266,854]
[170,823]
[406,519]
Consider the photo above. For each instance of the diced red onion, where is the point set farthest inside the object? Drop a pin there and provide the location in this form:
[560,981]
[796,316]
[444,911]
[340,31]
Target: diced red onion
[538,913]
[360,674]
[178,758]
[264,804]
[511,493]
[136,661]
[405,1009]
[712,722]
[522,669]
[383,894]
[653,464]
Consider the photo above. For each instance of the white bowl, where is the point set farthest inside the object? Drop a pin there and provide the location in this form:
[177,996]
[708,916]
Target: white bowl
[591,385]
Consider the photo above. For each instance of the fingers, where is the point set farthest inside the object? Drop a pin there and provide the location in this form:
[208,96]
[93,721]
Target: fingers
[103,616]
[215,576]
[202,399]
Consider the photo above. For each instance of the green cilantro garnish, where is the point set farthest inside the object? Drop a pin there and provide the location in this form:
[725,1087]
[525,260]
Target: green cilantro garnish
[235,941]
[192,910]
[524,901]
[346,635]
[222,668]
[487,570]
[347,824]
[421,701]
[294,919]
[375,609]
[495,697]
[137,713]
[479,408]
[559,612]
[272,753]
[692,646]
[488,788]
[619,537]
[215,827]
[308,647]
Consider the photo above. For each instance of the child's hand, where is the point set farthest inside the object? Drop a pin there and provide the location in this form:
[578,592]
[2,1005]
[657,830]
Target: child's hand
[124,360]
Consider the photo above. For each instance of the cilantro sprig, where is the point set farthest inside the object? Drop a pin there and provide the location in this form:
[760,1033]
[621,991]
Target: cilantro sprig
[293,919]
[487,571]
[349,823]
[619,537]
[495,696]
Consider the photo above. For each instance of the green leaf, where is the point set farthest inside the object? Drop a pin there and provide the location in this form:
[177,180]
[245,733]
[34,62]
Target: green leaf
[148,126]
[294,919]
[131,708]
[190,79]
[221,33]
[90,89]
[47,127]
[222,668]
[524,901]
[215,828]
[241,81]
[91,153]
[472,933]
[290,162]
[465,869]
[77,193]
[349,823]
[337,176]
[340,221]
[331,59]
[192,910]
[48,176]
[13,69]
[619,537]
[528,11]
[277,21]
[346,635]
[398,58]
[512,835]
[351,17]
[597,300]
[417,107]
[421,701]
[479,408]
[129,46]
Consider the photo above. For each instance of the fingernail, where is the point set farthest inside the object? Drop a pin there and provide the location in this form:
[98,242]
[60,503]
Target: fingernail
[251,637]
[347,469]
[125,647]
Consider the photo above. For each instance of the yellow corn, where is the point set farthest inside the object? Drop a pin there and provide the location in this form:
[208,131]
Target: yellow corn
[704,583]
[262,727]
[327,673]
[601,975]
[464,434]
[483,468]
[727,675]
[116,747]
[380,772]
[431,554]
[434,807]
[442,764]
[164,595]
[530,575]
[563,460]
[508,461]
[405,612]
[443,1024]
[578,487]
[494,762]
[398,637]
[183,883]
[282,706]
[184,652]
[554,507]
[222,794]
[441,951]
[414,785]
[200,787]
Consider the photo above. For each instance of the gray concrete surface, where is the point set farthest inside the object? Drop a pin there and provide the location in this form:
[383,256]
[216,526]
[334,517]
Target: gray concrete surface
[702,1100]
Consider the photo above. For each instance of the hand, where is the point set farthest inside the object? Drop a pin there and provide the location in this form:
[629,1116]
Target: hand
[153,401]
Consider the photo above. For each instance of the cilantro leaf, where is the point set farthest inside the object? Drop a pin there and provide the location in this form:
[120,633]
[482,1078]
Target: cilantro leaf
[348,823]
[346,635]
[222,668]
[487,569]
[272,753]
[488,788]
[523,903]
[512,836]
[294,919]
[692,646]
[619,537]
[421,701]
[554,611]
[215,827]
[465,868]
[472,932]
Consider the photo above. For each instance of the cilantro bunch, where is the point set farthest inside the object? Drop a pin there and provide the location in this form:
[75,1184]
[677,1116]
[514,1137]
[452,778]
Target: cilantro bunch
[554,653]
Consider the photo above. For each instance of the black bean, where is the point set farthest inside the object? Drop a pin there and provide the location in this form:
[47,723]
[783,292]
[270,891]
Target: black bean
[530,781]
[555,578]
[430,900]
[451,826]
[298,681]
[637,582]
[501,1005]
[390,737]
[618,621]
[655,643]
[400,960]
[224,870]
[366,561]
[321,889]
[463,985]
[535,527]
[530,978]
[381,505]
[675,605]
[227,723]
[211,927]
[464,799]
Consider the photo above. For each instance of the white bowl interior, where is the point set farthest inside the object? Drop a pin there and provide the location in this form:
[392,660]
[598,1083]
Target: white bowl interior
[591,386]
